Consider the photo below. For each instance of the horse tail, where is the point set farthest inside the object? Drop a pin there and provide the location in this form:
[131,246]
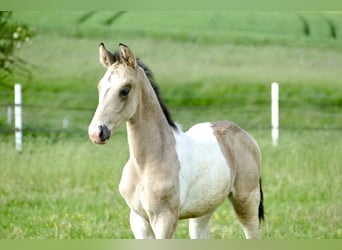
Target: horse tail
[261,213]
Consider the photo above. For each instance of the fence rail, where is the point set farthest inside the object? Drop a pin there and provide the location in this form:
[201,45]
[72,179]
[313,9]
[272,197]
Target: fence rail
[295,113]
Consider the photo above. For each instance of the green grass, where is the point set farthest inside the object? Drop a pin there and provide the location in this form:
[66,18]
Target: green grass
[189,74]
[184,26]
[210,66]
[69,189]
[64,189]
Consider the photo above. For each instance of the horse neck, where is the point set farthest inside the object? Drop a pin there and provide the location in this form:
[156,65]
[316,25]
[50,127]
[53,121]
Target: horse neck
[149,134]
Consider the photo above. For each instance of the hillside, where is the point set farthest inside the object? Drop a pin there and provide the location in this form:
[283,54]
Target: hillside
[194,56]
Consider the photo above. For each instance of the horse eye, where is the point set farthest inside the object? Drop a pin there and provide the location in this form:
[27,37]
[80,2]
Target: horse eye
[125,91]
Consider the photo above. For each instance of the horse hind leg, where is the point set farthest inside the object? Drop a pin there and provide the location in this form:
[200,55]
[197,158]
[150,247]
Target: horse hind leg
[249,211]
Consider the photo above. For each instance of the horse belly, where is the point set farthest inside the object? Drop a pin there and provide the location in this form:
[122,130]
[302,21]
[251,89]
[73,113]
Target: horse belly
[204,175]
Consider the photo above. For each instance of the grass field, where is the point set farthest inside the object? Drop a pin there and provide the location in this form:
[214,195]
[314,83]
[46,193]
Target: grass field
[210,66]
[69,189]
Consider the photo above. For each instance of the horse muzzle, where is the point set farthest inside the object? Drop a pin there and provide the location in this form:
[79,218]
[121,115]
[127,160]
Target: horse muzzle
[99,134]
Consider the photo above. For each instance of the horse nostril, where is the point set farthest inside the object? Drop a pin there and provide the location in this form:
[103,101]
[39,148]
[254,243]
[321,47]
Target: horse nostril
[104,133]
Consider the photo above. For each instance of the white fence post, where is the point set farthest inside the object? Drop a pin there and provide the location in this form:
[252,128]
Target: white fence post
[18,117]
[275,113]
[65,123]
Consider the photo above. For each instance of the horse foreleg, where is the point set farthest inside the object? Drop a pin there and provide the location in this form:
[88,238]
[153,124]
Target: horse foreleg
[141,228]
[164,225]
[199,228]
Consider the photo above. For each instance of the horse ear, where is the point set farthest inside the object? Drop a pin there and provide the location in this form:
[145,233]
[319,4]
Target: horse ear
[106,57]
[127,56]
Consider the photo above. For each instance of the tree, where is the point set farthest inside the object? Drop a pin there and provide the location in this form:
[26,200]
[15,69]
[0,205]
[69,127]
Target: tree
[13,35]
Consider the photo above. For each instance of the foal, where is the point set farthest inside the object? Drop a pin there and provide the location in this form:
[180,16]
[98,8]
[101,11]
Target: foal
[171,174]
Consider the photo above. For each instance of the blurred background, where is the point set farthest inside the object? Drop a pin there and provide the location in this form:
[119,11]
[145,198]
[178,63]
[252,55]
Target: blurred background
[209,66]
[200,60]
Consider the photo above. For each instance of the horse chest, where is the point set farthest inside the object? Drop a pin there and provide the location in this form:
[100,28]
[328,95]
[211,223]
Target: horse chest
[130,187]
[145,192]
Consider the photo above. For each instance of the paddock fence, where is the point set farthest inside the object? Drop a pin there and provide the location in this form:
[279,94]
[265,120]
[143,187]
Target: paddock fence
[69,114]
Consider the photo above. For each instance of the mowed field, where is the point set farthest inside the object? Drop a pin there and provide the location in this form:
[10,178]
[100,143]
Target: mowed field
[209,66]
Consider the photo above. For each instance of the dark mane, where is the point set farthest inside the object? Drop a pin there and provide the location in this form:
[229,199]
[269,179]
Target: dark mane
[155,87]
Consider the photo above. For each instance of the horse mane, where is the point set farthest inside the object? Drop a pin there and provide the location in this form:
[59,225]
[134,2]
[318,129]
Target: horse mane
[155,87]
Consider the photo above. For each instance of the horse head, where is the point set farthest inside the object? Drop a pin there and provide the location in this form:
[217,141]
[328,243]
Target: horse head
[118,92]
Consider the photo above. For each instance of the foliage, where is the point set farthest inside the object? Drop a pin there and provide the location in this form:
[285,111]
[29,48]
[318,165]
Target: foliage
[12,35]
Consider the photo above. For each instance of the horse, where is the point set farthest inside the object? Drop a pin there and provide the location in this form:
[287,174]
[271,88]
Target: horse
[171,174]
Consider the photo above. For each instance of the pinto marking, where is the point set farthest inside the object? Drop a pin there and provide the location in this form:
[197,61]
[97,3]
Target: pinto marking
[171,174]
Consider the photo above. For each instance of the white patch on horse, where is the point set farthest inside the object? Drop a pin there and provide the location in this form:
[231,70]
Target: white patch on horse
[106,83]
[204,172]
